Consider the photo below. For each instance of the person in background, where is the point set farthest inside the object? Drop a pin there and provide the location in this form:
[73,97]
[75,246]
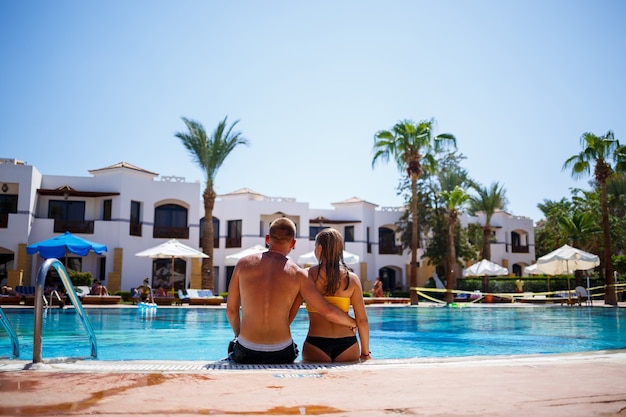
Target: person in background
[377,291]
[145,291]
[262,301]
[98,289]
[161,291]
[326,341]
[519,285]
[6,290]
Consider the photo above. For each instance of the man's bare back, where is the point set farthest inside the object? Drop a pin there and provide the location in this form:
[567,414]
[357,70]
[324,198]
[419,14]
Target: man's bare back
[268,285]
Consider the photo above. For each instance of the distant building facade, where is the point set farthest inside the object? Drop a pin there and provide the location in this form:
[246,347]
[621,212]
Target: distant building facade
[121,206]
[130,209]
[512,239]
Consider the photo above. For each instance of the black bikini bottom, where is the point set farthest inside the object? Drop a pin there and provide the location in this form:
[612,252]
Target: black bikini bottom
[333,347]
[241,354]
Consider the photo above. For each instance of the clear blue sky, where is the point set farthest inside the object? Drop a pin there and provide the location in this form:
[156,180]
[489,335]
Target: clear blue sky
[87,84]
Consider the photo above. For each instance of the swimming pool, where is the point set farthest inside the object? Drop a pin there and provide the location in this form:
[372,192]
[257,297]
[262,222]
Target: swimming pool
[396,332]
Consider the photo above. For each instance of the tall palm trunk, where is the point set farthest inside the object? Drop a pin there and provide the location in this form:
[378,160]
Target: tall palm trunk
[208,281]
[414,240]
[486,253]
[450,257]
[610,297]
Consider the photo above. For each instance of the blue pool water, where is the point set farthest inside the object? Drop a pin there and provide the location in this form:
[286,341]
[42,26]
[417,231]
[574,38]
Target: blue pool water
[396,332]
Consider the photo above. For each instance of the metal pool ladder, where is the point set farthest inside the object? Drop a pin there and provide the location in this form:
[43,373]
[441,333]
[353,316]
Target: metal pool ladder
[9,329]
[39,304]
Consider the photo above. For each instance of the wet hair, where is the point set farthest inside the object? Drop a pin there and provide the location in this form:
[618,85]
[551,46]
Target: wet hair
[282,230]
[331,242]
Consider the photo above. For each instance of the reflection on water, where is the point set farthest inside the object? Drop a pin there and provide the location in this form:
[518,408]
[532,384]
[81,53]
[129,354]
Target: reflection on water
[396,332]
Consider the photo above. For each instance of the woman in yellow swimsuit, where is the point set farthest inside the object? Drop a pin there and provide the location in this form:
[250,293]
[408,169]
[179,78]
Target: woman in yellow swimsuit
[326,341]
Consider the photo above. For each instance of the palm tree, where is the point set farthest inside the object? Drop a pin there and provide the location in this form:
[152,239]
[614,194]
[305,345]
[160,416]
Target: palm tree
[209,152]
[487,201]
[616,193]
[409,144]
[605,153]
[454,200]
[579,228]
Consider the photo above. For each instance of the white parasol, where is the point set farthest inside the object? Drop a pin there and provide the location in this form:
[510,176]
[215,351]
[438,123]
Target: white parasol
[172,249]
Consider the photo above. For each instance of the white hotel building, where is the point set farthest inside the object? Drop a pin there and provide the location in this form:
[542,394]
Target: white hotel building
[130,209]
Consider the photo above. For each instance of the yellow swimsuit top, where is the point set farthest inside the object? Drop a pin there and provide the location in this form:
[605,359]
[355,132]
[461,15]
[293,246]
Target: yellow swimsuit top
[341,302]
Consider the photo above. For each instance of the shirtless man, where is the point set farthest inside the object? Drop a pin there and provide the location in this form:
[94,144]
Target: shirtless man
[266,286]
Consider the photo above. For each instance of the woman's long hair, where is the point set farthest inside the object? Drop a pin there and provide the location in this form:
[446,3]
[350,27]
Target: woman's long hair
[331,242]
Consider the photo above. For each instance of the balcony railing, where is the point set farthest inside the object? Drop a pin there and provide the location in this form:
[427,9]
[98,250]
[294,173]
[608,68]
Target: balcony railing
[135,229]
[233,242]
[390,250]
[168,232]
[519,249]
[73,226]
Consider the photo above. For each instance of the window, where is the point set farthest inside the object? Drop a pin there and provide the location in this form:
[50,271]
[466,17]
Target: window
[233,234]
[369,243]
[386,240]
[102,269]
[229,275]
[69,216]
[73,264]
[518,243]
[162,273]
[314,230]
[8,204]
[348,234]
[135,218]
[106,209]
[170,221]
[216,232]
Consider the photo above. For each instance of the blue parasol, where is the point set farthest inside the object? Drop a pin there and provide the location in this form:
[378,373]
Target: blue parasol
[59,246]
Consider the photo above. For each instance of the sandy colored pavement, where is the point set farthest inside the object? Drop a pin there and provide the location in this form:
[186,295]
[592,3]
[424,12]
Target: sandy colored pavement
[582,384]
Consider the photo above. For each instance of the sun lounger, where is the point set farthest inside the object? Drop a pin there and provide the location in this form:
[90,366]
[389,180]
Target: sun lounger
[200,297]
[542,299]
[25,290]
[163,300]
[27,293]
[100,299]
[10,299]
[82,290]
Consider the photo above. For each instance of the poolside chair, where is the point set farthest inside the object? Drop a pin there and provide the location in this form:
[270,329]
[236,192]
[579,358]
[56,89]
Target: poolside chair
[200,297]
[163,300]
[583,295]
[135,296]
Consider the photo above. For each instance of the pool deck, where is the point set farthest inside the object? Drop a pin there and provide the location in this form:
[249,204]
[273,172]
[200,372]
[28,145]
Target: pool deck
[576,384]
[583,384]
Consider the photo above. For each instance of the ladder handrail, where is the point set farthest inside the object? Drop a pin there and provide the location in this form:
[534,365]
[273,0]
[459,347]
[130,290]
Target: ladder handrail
[7,326]
[69,289]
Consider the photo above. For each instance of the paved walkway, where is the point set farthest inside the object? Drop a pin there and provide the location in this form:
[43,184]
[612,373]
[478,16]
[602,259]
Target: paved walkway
[582,384]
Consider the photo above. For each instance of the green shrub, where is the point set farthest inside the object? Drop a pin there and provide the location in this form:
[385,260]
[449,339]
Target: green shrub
[80,278]
[125,295]
[536,283]
[401,294]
